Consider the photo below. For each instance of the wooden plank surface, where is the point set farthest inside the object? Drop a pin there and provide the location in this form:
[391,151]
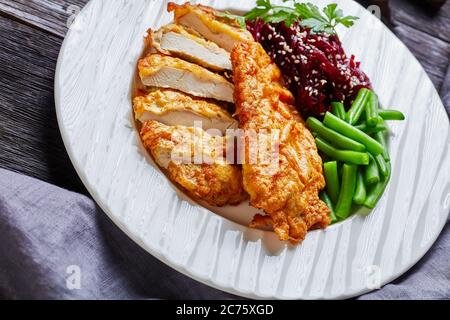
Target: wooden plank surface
[434,22]
[433,53]
[31,33]
[445,91]
[427,34]
[51,16]
[30,142]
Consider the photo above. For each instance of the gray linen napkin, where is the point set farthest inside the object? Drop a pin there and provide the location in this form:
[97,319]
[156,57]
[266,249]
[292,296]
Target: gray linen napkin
[56,244]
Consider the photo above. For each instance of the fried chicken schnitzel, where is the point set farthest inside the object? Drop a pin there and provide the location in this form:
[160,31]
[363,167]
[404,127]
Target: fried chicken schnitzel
[288,193]
[212,179]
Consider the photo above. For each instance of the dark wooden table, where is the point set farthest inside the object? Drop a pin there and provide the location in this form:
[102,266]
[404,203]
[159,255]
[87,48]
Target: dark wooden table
[31,33]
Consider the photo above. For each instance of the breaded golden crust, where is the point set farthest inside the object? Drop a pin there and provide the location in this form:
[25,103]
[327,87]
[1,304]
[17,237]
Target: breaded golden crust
[211,17]
[152,63]
[213,20]
[216,182]
[162,101]
[288,192]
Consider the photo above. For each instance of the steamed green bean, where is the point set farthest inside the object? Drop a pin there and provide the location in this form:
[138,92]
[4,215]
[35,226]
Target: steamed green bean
[333,122]
[372,174]
[380,137]
[348,186]
[360,191]
[379,127]
[342,155]
[330,170]
[382,166]
[391,115]
[358,106]
[356,159]
[375,193]
[372,109]
[326,198]
[338,110]
[336,138]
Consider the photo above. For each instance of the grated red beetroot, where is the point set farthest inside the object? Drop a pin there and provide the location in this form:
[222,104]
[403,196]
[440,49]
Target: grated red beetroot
[315,66]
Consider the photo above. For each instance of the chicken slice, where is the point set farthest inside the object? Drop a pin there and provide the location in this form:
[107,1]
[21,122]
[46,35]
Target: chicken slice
[208,23]
[176,108]
[195,161]
[176,40]
[287,191]
[162,71]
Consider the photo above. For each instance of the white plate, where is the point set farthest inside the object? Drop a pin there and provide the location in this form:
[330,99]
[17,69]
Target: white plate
[93,94]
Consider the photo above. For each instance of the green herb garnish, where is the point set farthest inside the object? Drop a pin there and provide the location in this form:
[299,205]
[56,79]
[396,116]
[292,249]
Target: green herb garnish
[309,15]
[312,17]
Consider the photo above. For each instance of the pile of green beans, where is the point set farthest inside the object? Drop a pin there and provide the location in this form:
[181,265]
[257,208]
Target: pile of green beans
[357,168]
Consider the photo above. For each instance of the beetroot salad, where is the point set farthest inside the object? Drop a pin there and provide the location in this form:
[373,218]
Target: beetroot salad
[315,67]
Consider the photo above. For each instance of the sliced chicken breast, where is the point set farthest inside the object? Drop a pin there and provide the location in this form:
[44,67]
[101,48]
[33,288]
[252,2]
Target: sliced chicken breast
[207,22]
[157,70]
[176,40]
[176,108]
[177,150]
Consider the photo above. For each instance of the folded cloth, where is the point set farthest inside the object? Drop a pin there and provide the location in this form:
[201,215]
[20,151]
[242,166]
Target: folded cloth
[56,244]
[49,236]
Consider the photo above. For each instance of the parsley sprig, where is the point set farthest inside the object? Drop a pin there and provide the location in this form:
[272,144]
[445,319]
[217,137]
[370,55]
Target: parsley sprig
[308,14]
[314,19]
